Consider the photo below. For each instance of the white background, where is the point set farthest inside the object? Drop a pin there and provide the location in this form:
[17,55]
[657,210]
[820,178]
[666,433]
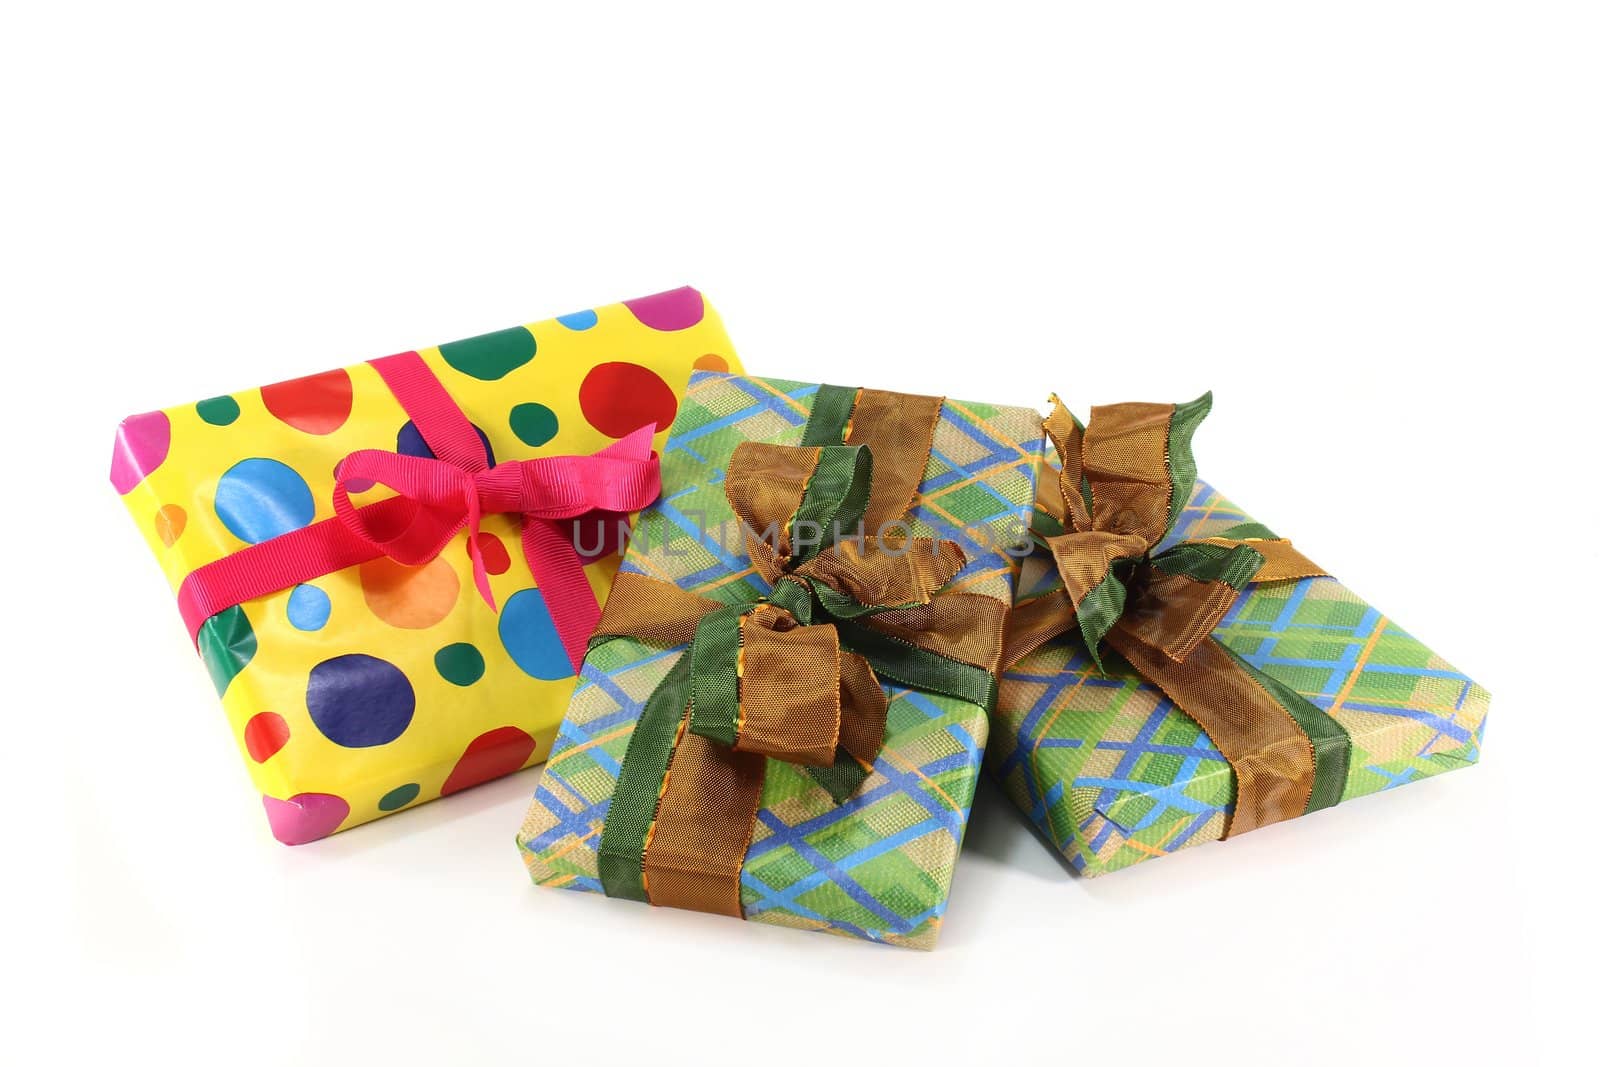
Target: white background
[1371,228]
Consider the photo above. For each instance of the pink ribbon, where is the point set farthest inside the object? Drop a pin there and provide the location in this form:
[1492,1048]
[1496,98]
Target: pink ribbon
[435,500]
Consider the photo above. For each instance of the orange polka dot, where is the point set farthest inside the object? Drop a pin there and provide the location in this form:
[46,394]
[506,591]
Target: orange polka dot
[170,521]
[711,361]
[413,598]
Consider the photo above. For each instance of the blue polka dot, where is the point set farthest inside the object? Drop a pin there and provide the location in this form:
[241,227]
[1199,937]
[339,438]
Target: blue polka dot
[409,442]
[530,637]
[399,796]
[309,608]
[578,320]
[259,499]
[360,701]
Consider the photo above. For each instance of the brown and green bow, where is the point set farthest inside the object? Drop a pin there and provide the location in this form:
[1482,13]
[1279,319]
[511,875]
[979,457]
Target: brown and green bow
[791,674]
[1124,481]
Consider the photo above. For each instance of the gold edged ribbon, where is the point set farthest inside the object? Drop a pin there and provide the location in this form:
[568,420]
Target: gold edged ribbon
[792,675]
[1125,479]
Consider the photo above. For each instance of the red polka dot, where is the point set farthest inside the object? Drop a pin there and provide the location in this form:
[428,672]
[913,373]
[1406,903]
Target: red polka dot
[598,534]
[264,735]
[711,361]
[495,558]
[319,404]
[490,755]
[618,398]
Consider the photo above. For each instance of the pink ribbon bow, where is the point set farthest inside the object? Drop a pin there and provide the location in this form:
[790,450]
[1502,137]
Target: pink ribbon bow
[436,498]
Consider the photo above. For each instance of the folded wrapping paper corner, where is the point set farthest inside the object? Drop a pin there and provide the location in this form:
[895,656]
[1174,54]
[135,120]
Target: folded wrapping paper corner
[387,683]
[1115,773]
[876,864]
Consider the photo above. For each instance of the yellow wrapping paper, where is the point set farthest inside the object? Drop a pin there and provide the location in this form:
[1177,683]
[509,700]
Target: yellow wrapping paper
[382,686]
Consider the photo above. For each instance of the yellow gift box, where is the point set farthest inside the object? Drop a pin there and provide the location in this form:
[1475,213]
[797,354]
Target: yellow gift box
[379,686]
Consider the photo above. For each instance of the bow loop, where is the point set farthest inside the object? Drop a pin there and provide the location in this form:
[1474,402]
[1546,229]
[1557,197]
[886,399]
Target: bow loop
[442,497]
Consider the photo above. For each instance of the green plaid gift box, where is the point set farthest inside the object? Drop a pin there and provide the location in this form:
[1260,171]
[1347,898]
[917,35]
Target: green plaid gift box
[1114,774]
[877,866]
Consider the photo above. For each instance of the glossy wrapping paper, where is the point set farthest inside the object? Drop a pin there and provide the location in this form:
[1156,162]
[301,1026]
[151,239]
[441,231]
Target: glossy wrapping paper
[382,686]
[1114,774]
[877,866]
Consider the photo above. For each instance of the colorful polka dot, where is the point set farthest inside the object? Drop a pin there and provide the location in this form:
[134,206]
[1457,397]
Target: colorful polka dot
[359,701]
[578,320]
[412,598]
[227,643]
[495,558]
[676,309]
[491,356]
[317,404]
[305,817]
[264,735]
[142,443]
[618,398]
[530,638]
[491,755]
[409,442]
[459,664]
[309,608]
[534,424]
[258,499]
[171,520]
[218,411]
[598,534]
[399,797]
[711,361]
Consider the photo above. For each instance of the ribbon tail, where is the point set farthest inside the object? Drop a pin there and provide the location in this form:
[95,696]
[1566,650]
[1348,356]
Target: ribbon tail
[558,572]
[635,446]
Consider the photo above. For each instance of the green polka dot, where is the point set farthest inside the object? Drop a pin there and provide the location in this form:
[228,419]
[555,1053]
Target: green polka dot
[219,410]
[535,424]
[227,644]
[459,664]
[399,797]
[491,356]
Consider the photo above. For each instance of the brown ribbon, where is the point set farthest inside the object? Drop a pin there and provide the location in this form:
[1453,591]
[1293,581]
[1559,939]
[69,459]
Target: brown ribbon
[1164,629]
[801,697]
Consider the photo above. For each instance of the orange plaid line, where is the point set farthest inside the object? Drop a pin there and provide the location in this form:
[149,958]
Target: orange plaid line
[1361,661]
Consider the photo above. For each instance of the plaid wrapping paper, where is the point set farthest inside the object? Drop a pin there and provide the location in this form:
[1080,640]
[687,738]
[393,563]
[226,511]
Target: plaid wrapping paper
[879,865]
[1114,774]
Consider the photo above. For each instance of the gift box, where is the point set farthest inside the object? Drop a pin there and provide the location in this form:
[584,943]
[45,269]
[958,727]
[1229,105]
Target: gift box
[789,729]
[355,552]
[1178,674]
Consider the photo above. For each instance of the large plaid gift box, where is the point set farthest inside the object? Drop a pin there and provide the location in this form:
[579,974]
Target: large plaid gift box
[1140,755]
[365,669]
[810,760]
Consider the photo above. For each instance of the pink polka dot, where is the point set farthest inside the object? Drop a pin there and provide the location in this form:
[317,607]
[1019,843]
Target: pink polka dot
[676,309]
[618,398]
[305,816]
[141,447]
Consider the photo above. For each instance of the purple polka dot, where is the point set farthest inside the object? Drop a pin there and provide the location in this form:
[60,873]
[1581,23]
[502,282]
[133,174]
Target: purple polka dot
[142,443]
[360,701]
